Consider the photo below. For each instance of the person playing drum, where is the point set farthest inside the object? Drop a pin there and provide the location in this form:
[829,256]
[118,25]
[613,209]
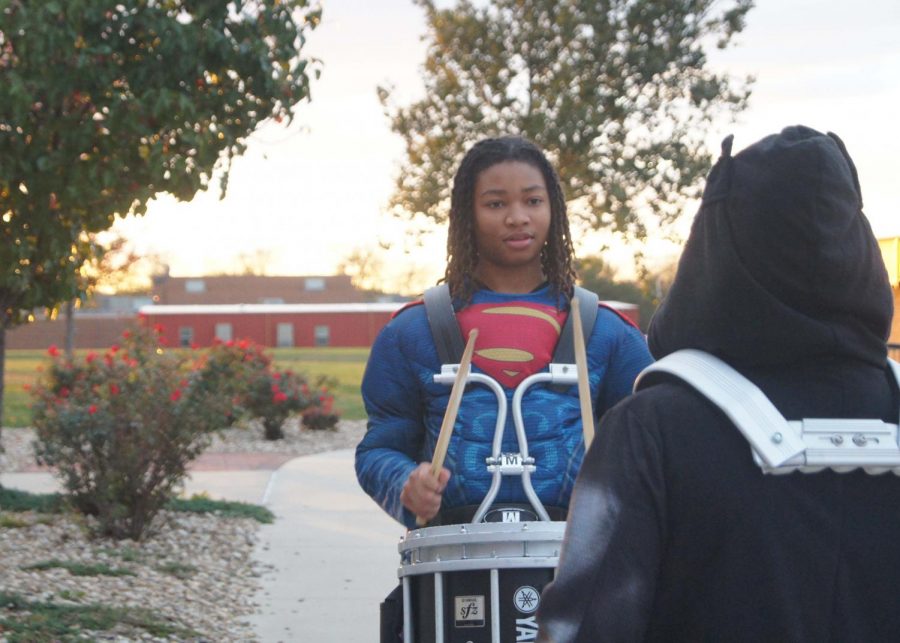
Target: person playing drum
[510,275]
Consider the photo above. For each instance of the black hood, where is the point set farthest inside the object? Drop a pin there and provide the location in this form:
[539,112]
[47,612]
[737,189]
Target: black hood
[781,264]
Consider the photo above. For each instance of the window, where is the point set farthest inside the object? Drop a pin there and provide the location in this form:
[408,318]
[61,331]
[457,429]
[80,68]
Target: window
[194,285]
[322,336]
[284,335]
[224,332]
[185,335]
[314,283]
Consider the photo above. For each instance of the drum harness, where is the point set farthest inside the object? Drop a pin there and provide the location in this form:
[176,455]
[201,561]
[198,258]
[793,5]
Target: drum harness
[561,374]
[778,445]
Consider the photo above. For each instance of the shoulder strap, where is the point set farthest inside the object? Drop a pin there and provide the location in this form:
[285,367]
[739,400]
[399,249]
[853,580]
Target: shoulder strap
[565,347]
[740,399]
[777,443]
[442,319]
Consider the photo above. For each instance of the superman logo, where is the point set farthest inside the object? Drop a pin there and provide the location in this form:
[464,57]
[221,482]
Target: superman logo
[514,340]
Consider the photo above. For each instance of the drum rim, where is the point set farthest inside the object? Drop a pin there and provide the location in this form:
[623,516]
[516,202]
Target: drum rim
[486,532]
[477,564]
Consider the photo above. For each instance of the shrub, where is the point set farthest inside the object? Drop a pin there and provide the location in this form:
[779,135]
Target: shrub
[257,389]
[322,416]
[120,428]
[274,396]
[228,366]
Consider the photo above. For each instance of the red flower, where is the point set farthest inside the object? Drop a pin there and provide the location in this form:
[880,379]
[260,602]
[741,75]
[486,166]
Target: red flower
[176,395]
[276,376]
[126,334]
[90,357]
[279,397]
[53,351]
[194,346]
[158,329]
[113,389]
[114,348]
[275,388]
[64,392]
[244,344]
[92,409]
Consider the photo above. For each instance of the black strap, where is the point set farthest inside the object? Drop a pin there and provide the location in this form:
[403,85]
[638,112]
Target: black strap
[449,340]
[565,347]
[442,320]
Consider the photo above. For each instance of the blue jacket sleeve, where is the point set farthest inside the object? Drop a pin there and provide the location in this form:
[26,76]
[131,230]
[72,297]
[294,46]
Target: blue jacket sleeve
[626,353]
[388,452]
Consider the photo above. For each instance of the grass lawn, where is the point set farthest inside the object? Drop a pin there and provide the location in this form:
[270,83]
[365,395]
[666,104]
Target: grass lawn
[344,364]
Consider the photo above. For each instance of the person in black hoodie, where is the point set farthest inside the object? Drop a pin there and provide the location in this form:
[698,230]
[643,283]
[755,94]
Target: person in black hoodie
[675,533]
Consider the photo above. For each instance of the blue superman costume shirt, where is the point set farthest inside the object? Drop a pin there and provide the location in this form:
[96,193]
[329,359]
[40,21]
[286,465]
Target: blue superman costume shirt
[517,337]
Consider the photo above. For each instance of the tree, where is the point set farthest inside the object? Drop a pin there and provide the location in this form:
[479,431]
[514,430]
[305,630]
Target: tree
[115,266]
[647,291]
[618,92]
[105,105]
[364,266]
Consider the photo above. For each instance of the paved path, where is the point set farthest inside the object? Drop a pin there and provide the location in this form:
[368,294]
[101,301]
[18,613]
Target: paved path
[330,556]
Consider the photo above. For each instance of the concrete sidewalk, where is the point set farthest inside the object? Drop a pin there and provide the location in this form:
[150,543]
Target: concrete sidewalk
[329,558]
[332,555]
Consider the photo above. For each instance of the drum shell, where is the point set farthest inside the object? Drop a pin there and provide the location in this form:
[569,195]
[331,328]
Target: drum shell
[456,561]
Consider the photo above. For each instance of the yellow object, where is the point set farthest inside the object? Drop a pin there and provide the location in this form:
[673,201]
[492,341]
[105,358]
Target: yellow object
[890,250]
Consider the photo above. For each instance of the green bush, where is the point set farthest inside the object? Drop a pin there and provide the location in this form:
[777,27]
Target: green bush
[257,390]
[322,416]
[229,366]
[121,428]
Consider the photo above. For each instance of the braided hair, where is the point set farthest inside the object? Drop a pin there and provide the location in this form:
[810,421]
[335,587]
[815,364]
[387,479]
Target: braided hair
[462,253]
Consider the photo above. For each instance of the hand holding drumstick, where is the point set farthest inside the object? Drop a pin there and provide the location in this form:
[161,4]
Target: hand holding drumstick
[422,491]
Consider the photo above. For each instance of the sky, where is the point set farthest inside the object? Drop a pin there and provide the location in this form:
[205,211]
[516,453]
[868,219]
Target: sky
[302,197]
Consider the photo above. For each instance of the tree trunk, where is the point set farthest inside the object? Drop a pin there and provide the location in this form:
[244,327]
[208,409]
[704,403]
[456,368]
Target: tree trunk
[272,430]
[70,329]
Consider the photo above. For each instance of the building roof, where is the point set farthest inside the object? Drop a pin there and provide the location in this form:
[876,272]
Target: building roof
[256,289]
[270,309]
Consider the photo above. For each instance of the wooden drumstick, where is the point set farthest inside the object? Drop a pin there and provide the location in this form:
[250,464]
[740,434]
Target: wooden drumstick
[584,385]
[456,392]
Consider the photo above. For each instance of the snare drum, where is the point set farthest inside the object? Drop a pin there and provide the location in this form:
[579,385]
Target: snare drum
[477,582]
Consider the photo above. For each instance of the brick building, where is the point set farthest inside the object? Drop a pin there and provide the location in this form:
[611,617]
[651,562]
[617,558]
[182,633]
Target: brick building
[103,323]
[275,325]
[256,289]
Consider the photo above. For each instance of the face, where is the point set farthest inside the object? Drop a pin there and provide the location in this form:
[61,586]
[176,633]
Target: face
[512,220]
